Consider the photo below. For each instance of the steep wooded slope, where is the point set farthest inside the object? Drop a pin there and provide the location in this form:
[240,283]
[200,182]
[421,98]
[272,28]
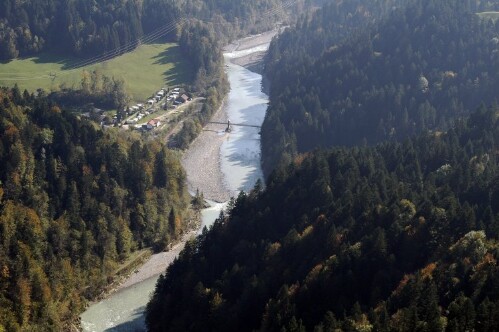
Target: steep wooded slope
[74,202]
[397,237]
[426,64]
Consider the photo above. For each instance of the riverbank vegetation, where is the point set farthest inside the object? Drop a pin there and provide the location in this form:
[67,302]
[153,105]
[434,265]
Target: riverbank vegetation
[75,201]
[211,26]
[338,81]
[396,237]
[200,42]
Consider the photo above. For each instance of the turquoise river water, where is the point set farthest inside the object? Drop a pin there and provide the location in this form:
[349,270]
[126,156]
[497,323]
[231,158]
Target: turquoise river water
[123,311]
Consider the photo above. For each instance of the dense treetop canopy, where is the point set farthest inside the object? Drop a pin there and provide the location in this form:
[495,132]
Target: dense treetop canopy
[341,79]
[74,202]
[396,237]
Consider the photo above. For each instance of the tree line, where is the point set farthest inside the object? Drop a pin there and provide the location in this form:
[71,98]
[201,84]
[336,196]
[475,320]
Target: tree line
[75,201]
[401,236]
[95,90]
[80,28]
[88,28]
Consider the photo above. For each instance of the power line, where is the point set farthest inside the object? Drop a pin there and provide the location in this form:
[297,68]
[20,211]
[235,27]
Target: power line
[275,10]
[132,45]
[112,53]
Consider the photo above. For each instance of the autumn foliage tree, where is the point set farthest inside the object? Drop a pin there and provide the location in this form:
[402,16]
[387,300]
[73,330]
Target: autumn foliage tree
[74,202]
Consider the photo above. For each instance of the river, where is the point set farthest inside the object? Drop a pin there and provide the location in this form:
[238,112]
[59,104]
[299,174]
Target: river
[239,162]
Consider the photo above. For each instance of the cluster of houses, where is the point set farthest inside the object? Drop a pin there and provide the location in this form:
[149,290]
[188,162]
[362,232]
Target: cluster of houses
[173,97]
[135,113]
[177,98]
[139,112]
[159,95]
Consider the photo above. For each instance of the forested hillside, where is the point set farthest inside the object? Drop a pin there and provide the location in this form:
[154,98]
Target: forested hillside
[86,28]
[229,18]
[71,27]
[74,202]
[344,77]
[396,237]
[317,31]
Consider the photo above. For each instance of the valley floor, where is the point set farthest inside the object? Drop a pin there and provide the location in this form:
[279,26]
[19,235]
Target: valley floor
[202,164]
[202,160]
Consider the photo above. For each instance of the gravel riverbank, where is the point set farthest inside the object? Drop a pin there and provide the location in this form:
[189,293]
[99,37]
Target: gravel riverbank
[202,160]
[202,164]
[157,263]
[254,60]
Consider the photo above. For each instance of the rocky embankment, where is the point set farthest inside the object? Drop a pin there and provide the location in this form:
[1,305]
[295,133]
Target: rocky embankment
[252,61]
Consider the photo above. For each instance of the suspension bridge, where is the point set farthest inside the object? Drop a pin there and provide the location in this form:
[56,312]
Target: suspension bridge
[230,124]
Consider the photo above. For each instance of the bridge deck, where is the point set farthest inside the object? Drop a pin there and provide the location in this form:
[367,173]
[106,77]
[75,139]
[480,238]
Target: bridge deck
[235,124]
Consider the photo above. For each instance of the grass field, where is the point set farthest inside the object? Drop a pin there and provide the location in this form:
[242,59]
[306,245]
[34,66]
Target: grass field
[489,15]
[144,70]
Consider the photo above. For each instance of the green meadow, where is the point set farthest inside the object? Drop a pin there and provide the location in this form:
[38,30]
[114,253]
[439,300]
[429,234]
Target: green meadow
[145,70]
